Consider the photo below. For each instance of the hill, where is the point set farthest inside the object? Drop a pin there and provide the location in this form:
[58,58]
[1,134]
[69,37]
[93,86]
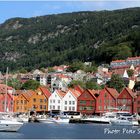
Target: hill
[60,39]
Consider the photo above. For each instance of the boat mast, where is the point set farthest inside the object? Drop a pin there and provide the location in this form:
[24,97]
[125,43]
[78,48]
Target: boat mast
[5,105]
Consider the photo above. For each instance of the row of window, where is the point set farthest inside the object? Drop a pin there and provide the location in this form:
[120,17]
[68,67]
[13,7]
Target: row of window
[124,101]
[54,101]
[40,100]
[21,101]
[3,102]
[85,102]
[52,107]
[86,108]
[70,108]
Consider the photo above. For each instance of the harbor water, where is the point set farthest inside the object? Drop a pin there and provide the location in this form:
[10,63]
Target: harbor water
[73,131]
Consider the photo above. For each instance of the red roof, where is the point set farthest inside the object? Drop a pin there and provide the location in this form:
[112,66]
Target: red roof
[79,88]
[133,58]
[132,94]
[118,61]
[61,93]
[45,91]
[112,91]
[75,92]
[3,88]
[92,92]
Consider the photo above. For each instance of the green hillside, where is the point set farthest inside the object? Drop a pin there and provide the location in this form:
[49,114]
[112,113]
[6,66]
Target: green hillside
[60,39]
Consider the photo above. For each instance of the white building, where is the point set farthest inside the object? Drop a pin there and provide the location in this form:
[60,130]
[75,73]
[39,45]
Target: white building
[55,100]
[69,101]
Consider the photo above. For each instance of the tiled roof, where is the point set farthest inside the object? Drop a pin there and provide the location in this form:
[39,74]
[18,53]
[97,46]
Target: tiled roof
[61,93]
[79,88]
[133,58]
[45,91]
[118,61]
[75,92]
[28,94]
[3,88]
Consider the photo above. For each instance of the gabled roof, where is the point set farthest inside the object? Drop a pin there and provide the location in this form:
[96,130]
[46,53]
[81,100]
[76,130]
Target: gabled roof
[45,91]
[79,88]
[129,91]
[92,92]
[112,91]
[61,93]
[3,88]
[75,93]
[28,94]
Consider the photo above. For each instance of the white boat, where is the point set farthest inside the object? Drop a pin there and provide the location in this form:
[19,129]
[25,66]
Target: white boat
[57,119]
[8,125]
[122,121]
[105,119]
[61,119]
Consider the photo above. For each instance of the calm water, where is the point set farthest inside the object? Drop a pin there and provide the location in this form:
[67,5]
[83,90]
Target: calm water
[72,131]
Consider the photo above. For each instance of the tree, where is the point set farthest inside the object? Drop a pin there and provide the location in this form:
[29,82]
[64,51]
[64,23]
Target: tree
[116,82]
[77,82]
[130,72]
[15,83]
[31,84]
[92,85]
[76,66]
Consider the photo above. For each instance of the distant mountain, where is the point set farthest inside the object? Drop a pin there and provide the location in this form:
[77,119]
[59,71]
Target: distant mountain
[60,39]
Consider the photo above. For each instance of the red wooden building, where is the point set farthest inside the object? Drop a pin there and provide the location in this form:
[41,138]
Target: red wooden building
[6,107]
[137,104]
[106,100]
[125,100]
[86,102]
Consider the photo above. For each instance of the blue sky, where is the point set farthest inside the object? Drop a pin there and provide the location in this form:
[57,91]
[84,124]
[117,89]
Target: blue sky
[10,9]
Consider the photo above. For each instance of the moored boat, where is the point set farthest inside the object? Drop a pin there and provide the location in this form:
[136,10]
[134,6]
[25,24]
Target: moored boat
[9,125]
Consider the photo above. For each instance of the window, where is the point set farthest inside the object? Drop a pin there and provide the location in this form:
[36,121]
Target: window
[21,101]
[53,101]
[50,107]
[58,107]
[89,108]
[41,100]
[69,96]
[45,100]
[82,102]
[50,101]
[58,101]
[53,107]
[34,100]
[73,102]
[44,106]
[91,102]
[65,108]
[70,108]
[81,108]
[65,102]
[41,107]
[70,102]
[73,108]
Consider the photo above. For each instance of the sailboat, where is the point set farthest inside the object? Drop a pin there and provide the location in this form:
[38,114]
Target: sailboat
[7,123]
